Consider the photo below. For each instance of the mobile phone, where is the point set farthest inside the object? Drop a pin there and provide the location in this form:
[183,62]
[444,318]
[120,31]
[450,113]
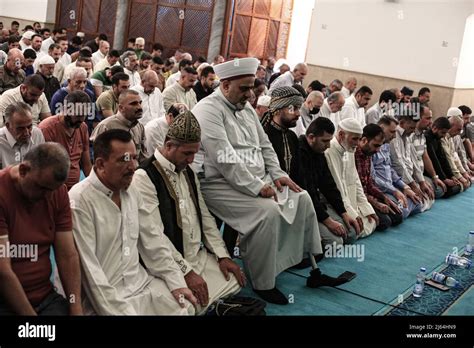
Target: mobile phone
[348,276]
[437,285]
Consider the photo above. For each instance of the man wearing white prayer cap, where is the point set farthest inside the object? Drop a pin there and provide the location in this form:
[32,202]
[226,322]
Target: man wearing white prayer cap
[46,66]
[263,102]
[341,162]
[240,177]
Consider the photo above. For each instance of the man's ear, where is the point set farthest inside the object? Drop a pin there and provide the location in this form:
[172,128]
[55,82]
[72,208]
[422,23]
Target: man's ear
[24,168]
[99,163]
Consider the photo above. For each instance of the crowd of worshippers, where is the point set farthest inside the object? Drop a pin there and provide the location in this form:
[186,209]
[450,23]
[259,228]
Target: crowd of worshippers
[128,166]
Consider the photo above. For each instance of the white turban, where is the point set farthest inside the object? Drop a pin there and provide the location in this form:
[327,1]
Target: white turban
[454,112]
[236,67]
[351,125]
[264,100]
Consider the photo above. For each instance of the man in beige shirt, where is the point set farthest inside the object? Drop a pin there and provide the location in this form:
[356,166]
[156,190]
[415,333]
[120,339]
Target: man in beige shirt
[129,111]
[182,91]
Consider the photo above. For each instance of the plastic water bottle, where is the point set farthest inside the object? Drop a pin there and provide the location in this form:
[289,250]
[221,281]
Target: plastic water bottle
[420,282]
[470,243]
[443,279]
[456,260]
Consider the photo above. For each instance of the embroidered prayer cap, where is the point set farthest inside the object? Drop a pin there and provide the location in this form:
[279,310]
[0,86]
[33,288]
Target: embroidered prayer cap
[283,97]
[406,91]
[237,67]
[46,59]
[185,128]
[351,125]
[454,112]
[264,100]
[139,41]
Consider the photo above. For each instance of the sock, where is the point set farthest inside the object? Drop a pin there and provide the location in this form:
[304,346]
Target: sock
[317,279]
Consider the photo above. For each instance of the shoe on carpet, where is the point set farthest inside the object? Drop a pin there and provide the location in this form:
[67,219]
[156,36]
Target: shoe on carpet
[273,296]
[317,279]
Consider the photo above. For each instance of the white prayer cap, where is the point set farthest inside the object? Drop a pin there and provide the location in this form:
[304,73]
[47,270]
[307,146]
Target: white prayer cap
[80,34]
[454,112]
[27,35]
[351,125]
[236,67]
[46,59]
[139,41]
[264,100]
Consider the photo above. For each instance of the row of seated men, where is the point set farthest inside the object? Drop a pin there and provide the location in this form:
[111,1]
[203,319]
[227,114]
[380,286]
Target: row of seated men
[160,213]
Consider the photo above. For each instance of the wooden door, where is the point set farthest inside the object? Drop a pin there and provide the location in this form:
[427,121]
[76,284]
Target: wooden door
[91,17]
[257,28]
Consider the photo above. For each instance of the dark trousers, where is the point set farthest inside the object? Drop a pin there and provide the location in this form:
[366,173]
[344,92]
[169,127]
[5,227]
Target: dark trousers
[387,220]
[53,304]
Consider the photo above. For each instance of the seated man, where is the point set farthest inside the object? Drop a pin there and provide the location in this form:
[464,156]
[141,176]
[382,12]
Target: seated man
[111,228]
[241,174]
[34,216]
[419,154]
[341,162]
[449,147]
[162,180]
[69,129]
[182,91]
[467,134]
[401,156]
[387,179]
[311,172]
[129,112]
[150,94]
[438,166]
[156,130]
[18,135]
[31,93]
[388,212]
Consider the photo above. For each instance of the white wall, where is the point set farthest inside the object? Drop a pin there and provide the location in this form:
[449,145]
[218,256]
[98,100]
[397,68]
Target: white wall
[402,39]
[465,73]
[299,31]
[30,10]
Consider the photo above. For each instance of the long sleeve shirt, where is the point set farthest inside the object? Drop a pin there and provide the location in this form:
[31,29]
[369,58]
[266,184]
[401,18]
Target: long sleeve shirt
[401,156]
[109,240]
[438,156]
[418,148]
[386,178]
[454,162]
[364,169]
[311,172]
[177,94]
[351,109]
[234,146]
[152,104]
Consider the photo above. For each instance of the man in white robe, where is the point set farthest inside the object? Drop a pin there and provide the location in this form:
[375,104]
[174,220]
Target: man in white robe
[110,228]
[165,180]
[341,162]
[355,104]
[240,180]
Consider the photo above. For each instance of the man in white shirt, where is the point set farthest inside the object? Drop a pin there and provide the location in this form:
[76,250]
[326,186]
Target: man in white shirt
[18,135]
[152,100]
[156,129]
[30,92]
[290,77]
[101,53]
[184,63]
[349,87]
[111,229]
[375,113]
[355,104]
[130,63]
[182,92]
[168,185]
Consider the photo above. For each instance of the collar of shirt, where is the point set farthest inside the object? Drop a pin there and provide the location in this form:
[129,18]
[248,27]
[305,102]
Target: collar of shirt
[12,141]
[122,119]
[337,146]
[278,127]
[95,181]
[400,131]
[164,162]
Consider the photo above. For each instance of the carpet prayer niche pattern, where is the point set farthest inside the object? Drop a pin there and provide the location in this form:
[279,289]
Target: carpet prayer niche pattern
[434,301]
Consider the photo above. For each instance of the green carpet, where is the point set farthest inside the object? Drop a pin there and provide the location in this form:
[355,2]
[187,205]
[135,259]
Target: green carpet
[464,305]
[392,260]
